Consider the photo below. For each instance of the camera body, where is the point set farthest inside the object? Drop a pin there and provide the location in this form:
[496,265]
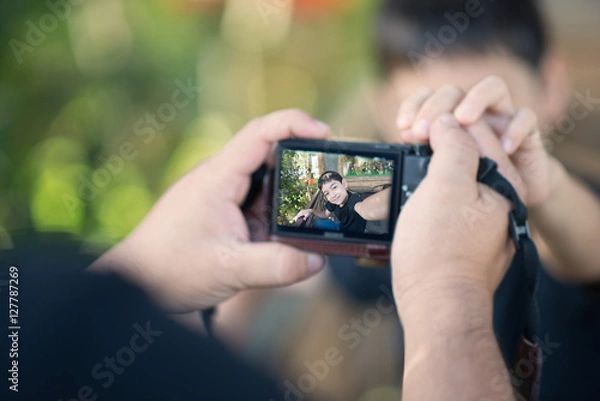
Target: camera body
[335,198]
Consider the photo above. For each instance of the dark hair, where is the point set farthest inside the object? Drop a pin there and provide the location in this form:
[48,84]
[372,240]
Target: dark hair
[406,30]
[329,176]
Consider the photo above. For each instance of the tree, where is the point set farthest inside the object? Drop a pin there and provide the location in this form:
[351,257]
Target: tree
[295,187]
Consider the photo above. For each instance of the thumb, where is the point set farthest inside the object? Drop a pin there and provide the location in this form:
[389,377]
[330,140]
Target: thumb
[271,264]
[456,154]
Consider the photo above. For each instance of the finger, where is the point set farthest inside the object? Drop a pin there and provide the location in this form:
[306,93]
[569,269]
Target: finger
[523,124]
[491,94]
[245,153]
[411,106]
[443,101]
[456,155]
[271,264]
[490,146]
[498,123]
[406,136]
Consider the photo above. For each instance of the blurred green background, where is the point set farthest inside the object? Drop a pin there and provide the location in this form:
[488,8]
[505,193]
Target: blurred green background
[104,103]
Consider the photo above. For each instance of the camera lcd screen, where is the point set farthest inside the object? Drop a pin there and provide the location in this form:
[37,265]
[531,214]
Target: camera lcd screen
[335,195]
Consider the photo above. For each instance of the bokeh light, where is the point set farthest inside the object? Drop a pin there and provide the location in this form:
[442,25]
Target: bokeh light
[84,86]
[202,139]
[100,36]
[120,209]
[55,204]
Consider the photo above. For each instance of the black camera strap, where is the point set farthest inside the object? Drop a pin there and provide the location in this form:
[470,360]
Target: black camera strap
[526,258]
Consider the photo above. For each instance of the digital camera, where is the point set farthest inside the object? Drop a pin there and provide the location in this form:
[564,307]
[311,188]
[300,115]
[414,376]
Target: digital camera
[335,198]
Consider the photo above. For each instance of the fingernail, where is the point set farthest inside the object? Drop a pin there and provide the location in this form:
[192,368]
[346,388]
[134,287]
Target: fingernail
[507,144]
[321,125]
[421,128]
[315,262]
[404,120]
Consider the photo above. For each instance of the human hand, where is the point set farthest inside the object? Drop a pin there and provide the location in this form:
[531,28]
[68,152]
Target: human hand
[303,214]
[192,250]
[451,249]
[488,101]
[452,234]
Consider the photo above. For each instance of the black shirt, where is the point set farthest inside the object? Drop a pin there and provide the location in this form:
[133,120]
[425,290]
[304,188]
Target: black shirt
[95,337]
[349,220]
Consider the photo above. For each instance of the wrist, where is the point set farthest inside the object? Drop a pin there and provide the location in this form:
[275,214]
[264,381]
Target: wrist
[124,259]
[455,305]
[557,180]
[111,261]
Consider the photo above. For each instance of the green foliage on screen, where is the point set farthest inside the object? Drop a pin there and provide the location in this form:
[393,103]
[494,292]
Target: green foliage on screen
[297,185]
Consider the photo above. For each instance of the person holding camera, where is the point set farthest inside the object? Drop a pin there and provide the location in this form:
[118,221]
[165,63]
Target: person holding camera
[443,297]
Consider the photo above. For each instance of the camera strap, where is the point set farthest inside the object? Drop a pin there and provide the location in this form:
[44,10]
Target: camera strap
[527,259]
